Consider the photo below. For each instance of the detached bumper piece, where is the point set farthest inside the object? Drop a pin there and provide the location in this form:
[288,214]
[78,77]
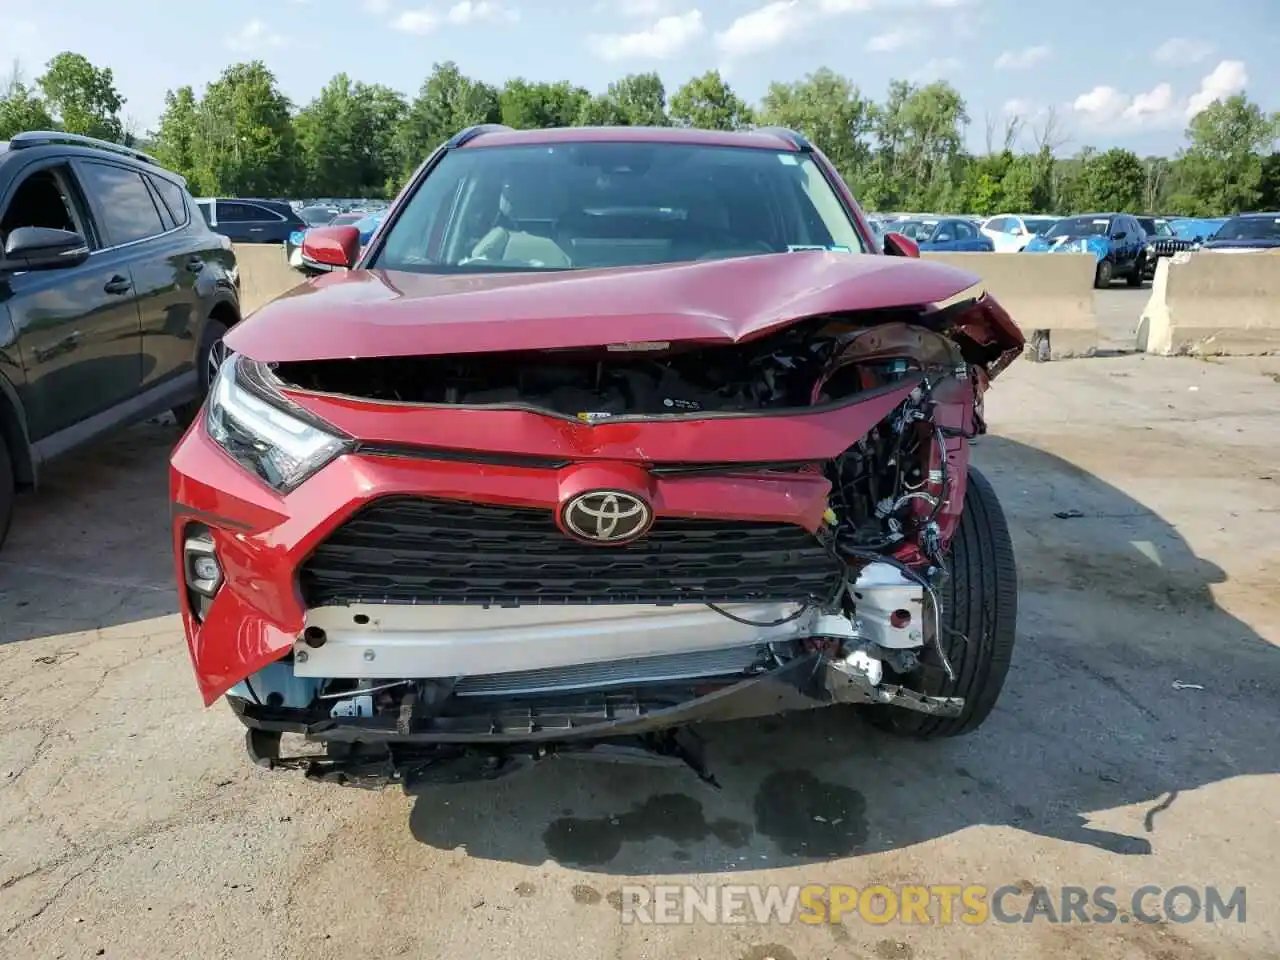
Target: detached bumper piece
[437,737]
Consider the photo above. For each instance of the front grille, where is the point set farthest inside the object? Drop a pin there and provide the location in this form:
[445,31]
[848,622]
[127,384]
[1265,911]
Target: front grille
[417,550]
[1167,248]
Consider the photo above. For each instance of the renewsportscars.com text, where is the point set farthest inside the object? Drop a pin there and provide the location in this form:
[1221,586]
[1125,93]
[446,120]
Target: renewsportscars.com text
[935,904]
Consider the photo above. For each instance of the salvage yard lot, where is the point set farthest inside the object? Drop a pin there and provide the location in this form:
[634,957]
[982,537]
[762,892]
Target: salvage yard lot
[132,824]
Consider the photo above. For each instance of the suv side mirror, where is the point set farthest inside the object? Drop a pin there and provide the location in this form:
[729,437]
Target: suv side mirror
[43,248]
[330,248]
[1120,234]
[900,245]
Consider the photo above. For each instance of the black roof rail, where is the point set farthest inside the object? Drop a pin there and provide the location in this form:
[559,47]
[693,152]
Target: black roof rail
[797,140]
[469,134]
[42,138]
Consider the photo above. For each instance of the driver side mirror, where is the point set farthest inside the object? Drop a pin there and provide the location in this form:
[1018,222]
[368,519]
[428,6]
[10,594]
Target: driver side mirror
[1119,234]
[43,248]
[330,248]
[900,245]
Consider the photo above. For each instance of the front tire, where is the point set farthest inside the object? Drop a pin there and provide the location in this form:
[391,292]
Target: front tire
[980,603]
[1106,272]
[209,355]
[1139,274]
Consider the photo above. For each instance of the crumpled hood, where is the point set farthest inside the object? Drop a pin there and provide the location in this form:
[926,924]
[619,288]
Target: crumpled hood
[380,313]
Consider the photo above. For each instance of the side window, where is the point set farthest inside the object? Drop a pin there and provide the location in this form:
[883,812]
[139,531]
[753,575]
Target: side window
[128,211]
[206,210]
[964,231]
[945,233]
[174,199]
[46,198]
[231,212]
[1000,224]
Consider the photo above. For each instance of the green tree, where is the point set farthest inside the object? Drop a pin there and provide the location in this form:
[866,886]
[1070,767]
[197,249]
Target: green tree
[637,100]
[831,111]
[246,142]
[1115,180]
[346,138]
[532,106]
[1221,170]
[21,108]
[83,98]
[177,141]
[919,137]
[447,102]
[709,103]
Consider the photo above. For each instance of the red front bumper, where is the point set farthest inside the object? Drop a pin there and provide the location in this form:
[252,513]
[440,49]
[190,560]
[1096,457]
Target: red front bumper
[263,537]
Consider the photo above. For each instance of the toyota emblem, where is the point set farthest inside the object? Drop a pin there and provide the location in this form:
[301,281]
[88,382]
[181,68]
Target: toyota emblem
[607,516]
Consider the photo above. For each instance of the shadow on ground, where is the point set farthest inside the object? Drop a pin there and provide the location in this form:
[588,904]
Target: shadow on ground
[1116,615]
[90,548]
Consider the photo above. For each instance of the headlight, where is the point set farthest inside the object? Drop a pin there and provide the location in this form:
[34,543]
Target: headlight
[1151,249]
[263,432]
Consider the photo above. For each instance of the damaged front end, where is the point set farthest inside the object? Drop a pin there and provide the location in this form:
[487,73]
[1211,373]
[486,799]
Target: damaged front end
[512,555]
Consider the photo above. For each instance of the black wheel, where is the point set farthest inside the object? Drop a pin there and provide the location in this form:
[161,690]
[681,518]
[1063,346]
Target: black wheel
[1102,279]
[979,621]
[209,358]
[1139,274]
[8,487]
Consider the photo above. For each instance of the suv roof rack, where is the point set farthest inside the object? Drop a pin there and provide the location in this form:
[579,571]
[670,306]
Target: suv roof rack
[470,133]
[41,138]
[797,140]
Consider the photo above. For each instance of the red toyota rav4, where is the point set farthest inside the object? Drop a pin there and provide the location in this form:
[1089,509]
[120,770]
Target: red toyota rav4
[606,433]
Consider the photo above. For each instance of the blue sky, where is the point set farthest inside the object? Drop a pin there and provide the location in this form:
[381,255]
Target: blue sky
[1124,74]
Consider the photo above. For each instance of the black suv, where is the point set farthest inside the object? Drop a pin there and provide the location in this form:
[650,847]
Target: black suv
[114,296]
[251,220]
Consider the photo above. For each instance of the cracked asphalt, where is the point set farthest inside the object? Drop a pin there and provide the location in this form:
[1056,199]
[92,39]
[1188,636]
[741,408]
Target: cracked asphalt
[1144,496]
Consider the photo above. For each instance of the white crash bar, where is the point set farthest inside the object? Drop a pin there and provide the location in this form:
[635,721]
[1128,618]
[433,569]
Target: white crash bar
[394,641]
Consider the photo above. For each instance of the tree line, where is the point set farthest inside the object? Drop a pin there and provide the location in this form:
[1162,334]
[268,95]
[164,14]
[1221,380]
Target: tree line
[242,136]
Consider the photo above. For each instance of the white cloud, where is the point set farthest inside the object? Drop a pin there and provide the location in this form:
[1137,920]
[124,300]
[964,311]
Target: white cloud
[765,27]
[420,22]
[1227,79]
[664,39]
[948,4]
[378,8]
[1023,59]
[893,40]
[1183,50]
[254,35]
[836,7]
[1101,105]
[480,11]
[642,8]
[934,69]
[1156,103]
[1017,107]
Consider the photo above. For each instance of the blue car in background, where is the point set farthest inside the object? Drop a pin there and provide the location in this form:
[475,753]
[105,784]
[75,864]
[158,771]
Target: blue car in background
[368,225]
[945,234]
[1245,233]
[1116,240]
[1196,229]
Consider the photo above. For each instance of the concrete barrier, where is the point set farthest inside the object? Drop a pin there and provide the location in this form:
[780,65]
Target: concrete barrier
[1049,296]
[1213,304]
[264,274]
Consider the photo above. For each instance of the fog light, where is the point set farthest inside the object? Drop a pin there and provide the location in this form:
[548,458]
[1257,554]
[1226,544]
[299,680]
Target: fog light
[204,573]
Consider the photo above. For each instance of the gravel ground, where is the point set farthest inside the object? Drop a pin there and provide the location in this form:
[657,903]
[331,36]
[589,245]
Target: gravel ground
[132,825]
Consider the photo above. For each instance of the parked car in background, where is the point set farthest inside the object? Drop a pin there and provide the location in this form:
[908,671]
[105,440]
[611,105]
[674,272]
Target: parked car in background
[1161,242]
[1011,232]
[1196,229]
[953,234]
[737,460]
[114,297]
[315,215]
[1116,240]
[250,220]
[1246,233]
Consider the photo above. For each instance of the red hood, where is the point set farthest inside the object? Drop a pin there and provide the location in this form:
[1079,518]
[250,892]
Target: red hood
[380,313]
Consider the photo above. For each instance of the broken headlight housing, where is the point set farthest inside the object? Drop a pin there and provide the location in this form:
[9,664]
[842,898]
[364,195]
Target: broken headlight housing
[262,431]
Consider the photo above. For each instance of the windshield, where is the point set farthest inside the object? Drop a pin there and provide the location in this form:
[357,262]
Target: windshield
[1080,227]
[1250,228]
[315,216]
[343,219]
[584,205]
[1039,224]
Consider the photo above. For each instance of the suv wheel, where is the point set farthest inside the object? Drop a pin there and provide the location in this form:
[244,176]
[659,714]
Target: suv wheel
[979,619]
[209,358]
[1139,273]
[7,488]
[1102,279]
